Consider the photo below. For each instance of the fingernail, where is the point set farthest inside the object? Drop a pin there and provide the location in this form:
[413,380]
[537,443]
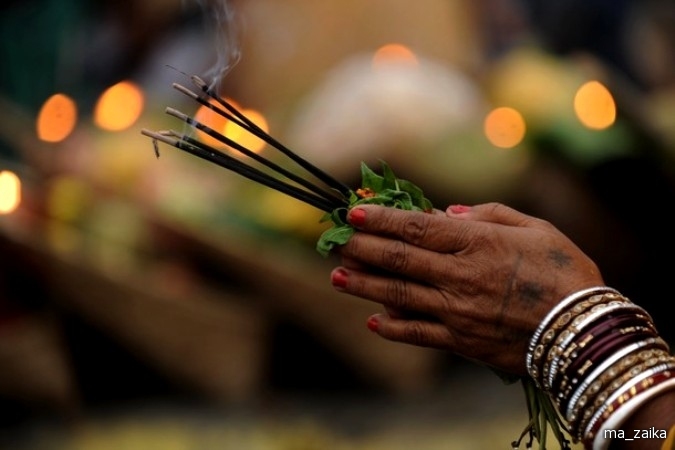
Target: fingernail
[373,323]
[339,278]
[357,217]
[459,209]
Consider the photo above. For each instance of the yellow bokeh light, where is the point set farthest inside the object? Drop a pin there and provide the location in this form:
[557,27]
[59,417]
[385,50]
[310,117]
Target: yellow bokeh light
[57,118]
[595,106]
[394,53]
[504,127]
[119,106]
[10,192]
[243,137]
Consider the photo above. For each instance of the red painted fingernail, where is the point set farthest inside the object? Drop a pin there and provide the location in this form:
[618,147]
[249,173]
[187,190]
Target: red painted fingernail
[459,209]
[373,323]
[357,217]
[339,278]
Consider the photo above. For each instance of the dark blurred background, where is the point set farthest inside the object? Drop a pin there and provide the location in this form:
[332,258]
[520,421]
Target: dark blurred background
[156,301]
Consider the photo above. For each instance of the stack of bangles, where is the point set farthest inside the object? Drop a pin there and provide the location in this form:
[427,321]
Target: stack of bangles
[599,357]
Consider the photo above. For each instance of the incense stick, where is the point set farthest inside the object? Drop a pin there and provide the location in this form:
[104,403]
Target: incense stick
[208,153]
[320,174]
[333,196]
[235,145]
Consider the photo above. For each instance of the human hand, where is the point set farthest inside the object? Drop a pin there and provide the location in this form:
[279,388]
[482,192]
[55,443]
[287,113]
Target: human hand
[479,280]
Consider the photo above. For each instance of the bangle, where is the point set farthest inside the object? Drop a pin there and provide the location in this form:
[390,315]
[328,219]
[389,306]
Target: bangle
[606,346]
[645,379]
[598,356]
[615,365]
[632,398]
[576,326]
[609,353]
[606,397]
[551,334]
[578,351]
[635,374]
[601,328]
[564,303]
[613,387]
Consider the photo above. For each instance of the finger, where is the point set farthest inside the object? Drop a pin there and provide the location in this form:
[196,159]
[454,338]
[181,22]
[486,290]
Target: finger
[355,264]
[398,257]
[425,230]
[415,332]
[394,293]
[495,213]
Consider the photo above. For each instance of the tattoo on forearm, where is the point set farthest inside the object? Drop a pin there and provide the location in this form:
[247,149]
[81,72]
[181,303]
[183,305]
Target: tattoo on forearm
[528,292]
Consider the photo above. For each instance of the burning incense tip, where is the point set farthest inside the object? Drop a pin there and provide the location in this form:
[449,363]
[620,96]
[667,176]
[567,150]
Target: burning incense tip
[199,82]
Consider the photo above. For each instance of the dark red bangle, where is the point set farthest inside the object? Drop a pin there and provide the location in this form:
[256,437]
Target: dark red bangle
[598,351]
[607,325]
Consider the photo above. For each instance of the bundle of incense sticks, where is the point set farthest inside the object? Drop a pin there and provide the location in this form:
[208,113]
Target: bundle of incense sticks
[334,195]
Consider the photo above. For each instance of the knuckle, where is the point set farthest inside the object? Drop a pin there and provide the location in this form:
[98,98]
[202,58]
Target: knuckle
[414,333]
[395,256]
[496,207]
[415,228]
[543,224]
[465,234]
[397,294]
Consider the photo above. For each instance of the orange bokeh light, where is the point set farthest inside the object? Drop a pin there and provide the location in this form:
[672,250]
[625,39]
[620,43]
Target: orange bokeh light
[394,53]
[243,137]
[119,106]
[211,119]
[57,118]
[595,106]
[504,127]
[10,192]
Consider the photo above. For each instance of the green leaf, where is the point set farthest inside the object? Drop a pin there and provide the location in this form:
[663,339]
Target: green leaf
[388,191]
[416,194]
[370,179]
[337,235]
[388,178]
